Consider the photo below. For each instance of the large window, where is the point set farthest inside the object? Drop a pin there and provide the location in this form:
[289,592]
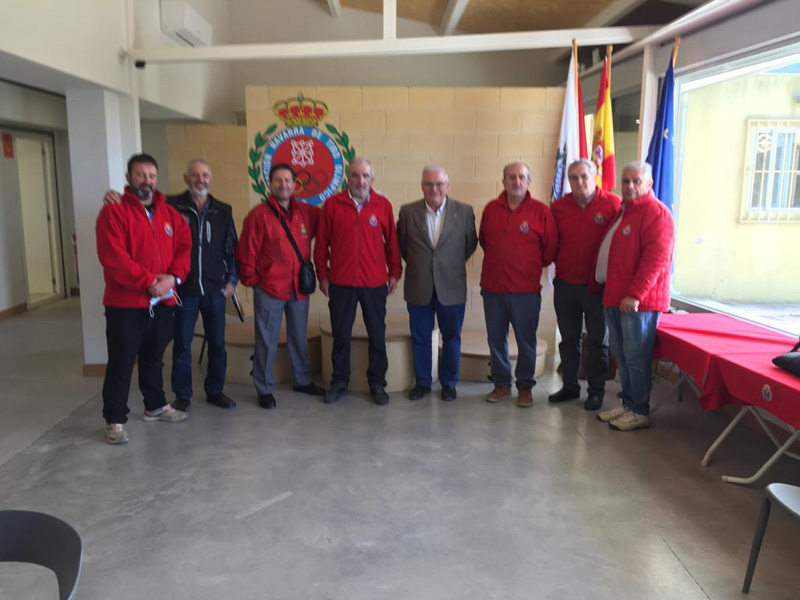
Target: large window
[738,189]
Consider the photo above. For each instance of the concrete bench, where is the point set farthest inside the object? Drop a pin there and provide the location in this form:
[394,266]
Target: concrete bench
[400,375]
[475,355]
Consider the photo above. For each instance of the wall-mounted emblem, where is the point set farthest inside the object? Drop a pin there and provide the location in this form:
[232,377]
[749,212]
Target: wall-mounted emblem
[320,160]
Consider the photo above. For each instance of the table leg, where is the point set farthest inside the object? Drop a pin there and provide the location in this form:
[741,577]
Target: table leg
[724,434]
[778,453]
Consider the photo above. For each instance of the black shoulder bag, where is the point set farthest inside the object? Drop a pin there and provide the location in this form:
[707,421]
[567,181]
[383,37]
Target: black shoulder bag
[789,361]
[306,280]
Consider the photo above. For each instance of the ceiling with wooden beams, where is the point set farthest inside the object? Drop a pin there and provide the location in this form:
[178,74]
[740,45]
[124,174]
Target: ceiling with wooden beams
[499,16]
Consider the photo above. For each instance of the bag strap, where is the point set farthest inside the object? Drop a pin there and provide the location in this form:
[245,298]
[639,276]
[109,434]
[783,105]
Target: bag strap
[288,234]
[796,346]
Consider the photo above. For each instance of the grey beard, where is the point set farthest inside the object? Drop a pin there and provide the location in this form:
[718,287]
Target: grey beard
[199,191]
[144,193]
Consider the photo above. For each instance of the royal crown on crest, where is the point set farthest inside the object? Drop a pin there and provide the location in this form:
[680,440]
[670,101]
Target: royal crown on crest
[300,111]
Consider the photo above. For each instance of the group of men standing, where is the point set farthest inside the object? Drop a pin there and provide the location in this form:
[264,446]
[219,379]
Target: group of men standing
[180,256]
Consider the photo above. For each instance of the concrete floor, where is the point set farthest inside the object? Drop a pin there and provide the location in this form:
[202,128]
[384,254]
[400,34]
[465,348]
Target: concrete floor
[424,500]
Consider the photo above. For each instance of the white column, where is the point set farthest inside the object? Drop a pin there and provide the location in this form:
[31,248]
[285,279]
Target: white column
[102,136]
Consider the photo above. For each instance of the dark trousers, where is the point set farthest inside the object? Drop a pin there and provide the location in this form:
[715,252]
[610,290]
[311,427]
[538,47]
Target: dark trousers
[420,321]
[212,309]
[132,333]
[573,304]
[342,302]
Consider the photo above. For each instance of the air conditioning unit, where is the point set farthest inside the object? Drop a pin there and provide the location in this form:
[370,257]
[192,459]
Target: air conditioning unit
[182,22]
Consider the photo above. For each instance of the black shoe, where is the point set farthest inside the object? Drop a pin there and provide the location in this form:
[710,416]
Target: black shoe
[312,389]
[181,404]
[221,400]
[449,393]
[418,392]
[267,401]
[379,395]
[563,395]
[336,391]
[593,402]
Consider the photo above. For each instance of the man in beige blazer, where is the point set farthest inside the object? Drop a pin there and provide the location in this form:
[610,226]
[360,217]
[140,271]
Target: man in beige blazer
[437,235]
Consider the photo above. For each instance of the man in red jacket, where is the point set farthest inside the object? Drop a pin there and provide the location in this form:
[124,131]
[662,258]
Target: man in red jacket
[634,262]
[145,247]
[358,262]
[582,218]
[269,264]
[519,237]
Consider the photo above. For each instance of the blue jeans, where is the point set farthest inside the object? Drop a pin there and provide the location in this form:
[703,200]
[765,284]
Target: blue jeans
[212,309]
[420,321]
[631,337]
[522,312]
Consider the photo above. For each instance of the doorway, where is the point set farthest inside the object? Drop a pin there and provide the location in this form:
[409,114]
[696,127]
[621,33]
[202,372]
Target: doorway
[41,231]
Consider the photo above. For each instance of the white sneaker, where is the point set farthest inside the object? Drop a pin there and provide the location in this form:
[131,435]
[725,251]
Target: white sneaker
[116,434]
[165,413]
[630,421]
[612,413]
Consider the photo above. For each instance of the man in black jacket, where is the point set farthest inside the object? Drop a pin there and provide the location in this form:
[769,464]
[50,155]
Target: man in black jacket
[211,281]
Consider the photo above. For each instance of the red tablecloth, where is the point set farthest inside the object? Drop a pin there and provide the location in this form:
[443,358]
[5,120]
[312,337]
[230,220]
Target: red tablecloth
[731,361]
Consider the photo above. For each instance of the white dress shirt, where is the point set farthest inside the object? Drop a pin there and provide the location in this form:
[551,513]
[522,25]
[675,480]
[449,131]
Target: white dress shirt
[435,220]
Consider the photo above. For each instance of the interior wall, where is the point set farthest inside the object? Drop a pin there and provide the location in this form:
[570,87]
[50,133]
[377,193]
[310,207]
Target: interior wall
[299,20]
[472,132]
[92,31]
[199,90]
[154,142]
[12,267]
[66,210]
[225,150]
[32,108]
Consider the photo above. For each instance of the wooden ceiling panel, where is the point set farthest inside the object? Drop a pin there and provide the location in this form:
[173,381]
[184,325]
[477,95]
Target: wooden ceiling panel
[485,16]
[500,16]
[425,11]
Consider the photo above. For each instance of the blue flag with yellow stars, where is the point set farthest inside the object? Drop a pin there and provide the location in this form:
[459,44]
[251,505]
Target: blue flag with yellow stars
[661,154]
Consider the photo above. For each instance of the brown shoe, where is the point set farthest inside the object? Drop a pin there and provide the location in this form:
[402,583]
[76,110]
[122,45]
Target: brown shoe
[498,393]
[524,398]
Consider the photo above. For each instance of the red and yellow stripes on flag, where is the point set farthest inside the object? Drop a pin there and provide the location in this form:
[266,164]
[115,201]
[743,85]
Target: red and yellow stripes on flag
[603,141]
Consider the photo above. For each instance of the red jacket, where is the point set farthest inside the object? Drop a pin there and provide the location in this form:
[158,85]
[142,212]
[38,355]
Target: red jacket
[265,254]
[516,245]
[640,257]
[355,248]
[580,233]
[133,250]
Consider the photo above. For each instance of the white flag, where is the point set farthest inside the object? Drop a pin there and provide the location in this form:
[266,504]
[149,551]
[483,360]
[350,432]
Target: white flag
[569,138]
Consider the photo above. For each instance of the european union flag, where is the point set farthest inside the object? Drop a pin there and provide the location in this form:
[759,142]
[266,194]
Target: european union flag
[661,154]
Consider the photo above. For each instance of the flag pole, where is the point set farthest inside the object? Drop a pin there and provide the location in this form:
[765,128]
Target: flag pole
[575,56]
[609,50]
[675,48]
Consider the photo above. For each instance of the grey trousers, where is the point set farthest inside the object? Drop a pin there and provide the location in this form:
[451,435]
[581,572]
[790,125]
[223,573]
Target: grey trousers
[268,313]
[522,312]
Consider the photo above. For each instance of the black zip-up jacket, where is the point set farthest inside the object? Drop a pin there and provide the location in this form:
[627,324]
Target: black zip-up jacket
[214,243]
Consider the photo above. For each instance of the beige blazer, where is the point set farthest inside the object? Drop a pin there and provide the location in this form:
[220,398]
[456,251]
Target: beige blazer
[443,267]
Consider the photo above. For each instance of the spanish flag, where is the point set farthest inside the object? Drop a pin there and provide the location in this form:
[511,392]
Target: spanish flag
[603,139]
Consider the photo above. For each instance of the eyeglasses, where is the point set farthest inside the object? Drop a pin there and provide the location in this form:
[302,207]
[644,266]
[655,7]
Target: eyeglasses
[438,184]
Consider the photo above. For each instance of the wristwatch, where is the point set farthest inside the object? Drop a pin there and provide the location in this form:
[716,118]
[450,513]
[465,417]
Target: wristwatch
[178,280]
